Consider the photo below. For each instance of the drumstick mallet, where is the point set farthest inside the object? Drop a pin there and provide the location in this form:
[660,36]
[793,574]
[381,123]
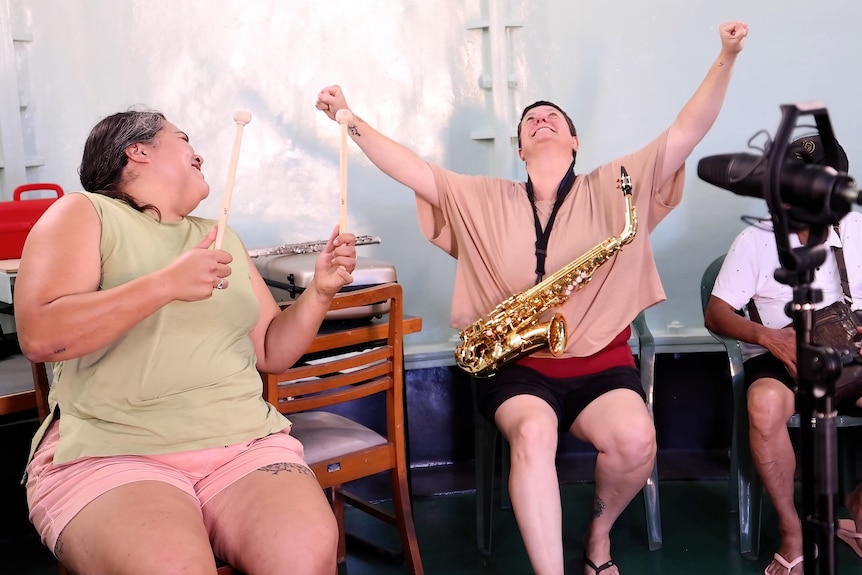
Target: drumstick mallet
[343,117]
[241,118]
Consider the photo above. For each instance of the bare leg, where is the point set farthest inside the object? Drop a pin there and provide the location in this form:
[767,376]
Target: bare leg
[626,446]
[531,427]
[854,505]
[770,405]
[274,520]
[854,499]
[139,528]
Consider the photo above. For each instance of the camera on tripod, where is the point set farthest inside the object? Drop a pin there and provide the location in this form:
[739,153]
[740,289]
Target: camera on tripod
[813,193]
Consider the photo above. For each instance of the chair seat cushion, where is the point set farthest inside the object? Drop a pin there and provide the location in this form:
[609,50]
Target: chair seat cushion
[326,435]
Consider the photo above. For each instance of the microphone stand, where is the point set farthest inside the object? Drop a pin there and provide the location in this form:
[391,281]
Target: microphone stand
[818,367]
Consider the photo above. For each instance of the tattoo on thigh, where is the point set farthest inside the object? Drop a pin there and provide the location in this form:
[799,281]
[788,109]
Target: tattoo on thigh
[58,548]
[598,507]
[275,468]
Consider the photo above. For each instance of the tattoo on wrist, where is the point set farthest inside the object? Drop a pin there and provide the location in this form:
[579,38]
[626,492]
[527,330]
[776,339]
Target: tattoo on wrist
[598,507]
[276,468]
[354,131]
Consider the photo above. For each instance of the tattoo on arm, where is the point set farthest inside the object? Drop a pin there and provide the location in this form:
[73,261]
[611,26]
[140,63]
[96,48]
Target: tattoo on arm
[275,468]
[598,507]
[58,548]
[60,350]
[354,131]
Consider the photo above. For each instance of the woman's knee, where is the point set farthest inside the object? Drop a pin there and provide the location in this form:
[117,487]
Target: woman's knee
[635,441]
[169,556]
[533,437]
[310,548]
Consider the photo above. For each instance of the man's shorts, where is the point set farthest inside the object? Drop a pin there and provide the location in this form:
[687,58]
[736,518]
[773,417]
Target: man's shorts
[767,365]
[56,493]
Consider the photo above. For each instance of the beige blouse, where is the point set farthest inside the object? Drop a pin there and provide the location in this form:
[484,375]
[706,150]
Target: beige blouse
[488,225]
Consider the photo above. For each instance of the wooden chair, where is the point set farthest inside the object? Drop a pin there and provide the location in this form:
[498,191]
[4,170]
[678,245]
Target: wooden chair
[487,436]
[17,401]
[42,386]
[338,449]
[745,489]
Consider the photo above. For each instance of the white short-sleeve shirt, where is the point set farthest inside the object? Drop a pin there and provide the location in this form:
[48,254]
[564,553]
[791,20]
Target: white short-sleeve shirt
[748,273]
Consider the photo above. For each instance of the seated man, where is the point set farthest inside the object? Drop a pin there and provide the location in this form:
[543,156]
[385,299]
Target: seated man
[769,348]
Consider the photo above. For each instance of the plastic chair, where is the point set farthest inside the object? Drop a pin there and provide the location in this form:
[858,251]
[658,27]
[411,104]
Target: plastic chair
[486,436]
[338,449]
[42,386]
[745,487]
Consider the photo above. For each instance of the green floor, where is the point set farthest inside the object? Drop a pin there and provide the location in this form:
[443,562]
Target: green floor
[698,538]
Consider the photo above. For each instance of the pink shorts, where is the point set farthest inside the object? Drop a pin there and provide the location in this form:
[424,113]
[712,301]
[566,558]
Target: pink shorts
[56,493]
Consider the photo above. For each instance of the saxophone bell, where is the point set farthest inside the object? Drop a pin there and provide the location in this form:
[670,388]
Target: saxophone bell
[485,359]
[557,335]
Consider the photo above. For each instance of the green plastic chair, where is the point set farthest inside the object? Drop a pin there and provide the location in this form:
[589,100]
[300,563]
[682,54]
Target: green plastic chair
[486,440]
[745,488]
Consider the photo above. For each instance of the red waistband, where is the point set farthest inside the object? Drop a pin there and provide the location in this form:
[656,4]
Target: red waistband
[615,354]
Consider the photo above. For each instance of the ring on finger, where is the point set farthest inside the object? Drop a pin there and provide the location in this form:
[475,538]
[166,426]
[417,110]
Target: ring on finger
[220,284]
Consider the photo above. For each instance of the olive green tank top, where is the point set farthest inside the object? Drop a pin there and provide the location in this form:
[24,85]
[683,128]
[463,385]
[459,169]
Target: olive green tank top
[182,379]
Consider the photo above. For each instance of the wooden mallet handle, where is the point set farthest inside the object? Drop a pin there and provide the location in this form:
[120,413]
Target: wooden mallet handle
[343,117]
[241,118]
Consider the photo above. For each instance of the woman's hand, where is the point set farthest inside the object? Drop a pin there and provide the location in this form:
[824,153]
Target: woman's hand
[198,272]
[330,100]
[733,36]
[334,265]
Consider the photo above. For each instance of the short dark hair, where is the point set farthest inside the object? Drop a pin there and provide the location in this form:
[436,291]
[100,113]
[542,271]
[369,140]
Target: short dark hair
[538,103]
[101,169]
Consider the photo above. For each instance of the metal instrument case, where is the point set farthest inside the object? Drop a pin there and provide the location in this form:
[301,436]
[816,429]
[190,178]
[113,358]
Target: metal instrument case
[289,275]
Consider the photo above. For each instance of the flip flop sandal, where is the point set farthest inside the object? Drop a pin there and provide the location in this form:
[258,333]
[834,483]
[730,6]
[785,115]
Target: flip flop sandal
[847,533]
[598,569]
[789,565]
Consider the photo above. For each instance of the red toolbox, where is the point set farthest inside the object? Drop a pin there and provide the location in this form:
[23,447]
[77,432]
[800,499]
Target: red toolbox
[18,216]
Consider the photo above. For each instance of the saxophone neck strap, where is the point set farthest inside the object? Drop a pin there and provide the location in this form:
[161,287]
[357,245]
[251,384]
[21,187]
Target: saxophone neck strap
[542,235]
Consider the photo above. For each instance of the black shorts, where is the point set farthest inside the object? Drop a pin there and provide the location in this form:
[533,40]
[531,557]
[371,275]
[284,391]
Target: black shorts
[567,396]
[767,365]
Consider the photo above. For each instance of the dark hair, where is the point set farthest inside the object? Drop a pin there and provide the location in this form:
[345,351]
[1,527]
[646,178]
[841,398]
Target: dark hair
[560,110]
[101,169]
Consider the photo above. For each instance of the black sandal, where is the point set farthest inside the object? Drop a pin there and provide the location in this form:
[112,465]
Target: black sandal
[600,568]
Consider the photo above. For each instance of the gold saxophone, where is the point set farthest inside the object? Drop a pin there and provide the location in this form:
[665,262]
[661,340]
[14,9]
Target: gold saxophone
[512,329]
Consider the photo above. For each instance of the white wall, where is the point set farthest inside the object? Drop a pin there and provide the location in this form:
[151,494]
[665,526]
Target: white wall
[622,69]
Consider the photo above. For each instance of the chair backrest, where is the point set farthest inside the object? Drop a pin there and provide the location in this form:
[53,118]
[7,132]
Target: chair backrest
[708,280]
[646,358]
[42,387]
[368,366]
[731,345]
